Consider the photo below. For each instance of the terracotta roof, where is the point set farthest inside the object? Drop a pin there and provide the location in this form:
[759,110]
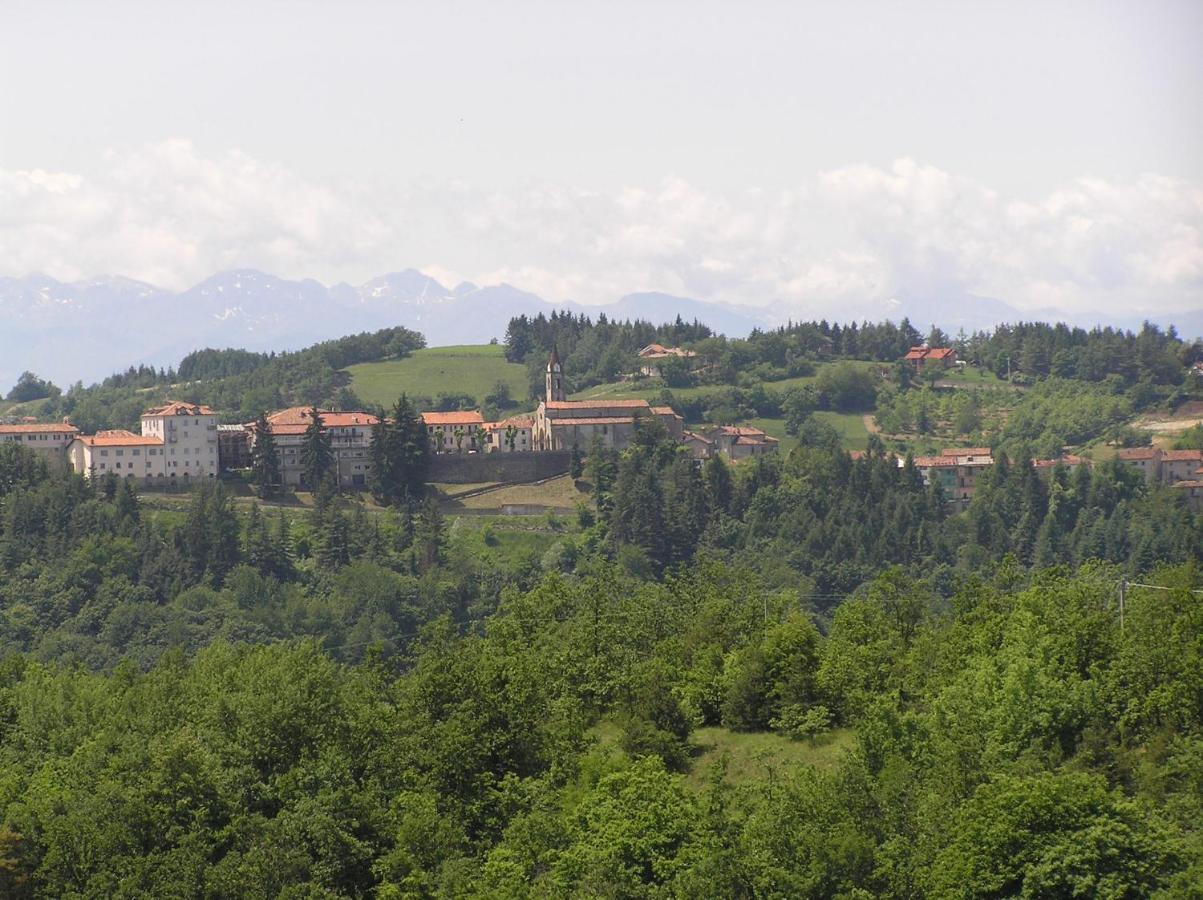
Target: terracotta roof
[664,411]
[762,439]
[1183,455]
[300,415]
[930,462]
[58,428]
[1188,484]
[119,438]
[939,352]
[590,420]
[694,436]
[516,421]
[458,417]
[597,404]
[965,451]
[741,431]
[1138,453]
[916,353]
[177,408]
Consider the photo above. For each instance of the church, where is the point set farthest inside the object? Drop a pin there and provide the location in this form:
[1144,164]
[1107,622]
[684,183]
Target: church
[561,424]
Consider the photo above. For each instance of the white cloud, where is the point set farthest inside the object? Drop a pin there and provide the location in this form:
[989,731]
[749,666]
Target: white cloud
[839,244]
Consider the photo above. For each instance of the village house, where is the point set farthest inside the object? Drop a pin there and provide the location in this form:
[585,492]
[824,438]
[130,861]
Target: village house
[652,355]
[923,356]
[451,432]
[956,470]
[350,439]
[737,442]
[1163,466]
[47,440]
[512,435]
[698,445]
[1069,461]
[1192,489]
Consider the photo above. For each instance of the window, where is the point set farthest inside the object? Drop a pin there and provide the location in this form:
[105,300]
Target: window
[104,452]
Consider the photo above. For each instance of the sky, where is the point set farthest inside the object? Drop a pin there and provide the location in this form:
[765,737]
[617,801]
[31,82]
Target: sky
[807,156]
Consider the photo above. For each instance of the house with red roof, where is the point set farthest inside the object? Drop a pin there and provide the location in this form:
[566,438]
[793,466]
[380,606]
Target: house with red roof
[350,434]
[923,355]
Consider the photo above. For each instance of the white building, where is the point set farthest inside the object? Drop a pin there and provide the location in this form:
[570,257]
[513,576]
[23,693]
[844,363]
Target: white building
[441,428]
[120,453]
[48,440]
[189,435]
[499,434]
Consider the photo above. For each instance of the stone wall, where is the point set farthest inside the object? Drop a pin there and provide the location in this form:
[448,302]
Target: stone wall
[475,468]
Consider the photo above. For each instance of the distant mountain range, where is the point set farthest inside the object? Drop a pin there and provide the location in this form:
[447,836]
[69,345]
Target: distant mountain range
[88,329]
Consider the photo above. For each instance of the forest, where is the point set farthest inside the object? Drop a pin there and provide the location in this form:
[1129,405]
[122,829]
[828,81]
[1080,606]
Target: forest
[235,699]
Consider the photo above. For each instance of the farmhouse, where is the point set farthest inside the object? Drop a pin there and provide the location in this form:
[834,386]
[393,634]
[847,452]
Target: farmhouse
[652,355]
[923,355]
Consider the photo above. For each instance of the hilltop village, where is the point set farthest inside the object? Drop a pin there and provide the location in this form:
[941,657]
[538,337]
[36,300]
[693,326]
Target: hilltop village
[183,442]
[180,442]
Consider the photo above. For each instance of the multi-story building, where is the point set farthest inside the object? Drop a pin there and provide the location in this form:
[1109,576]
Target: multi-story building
[47,440]
[451,432]
[956,470]
[121,453]
[189,435]
[1180,465]
[1164,466]
[350,436]
[512,435]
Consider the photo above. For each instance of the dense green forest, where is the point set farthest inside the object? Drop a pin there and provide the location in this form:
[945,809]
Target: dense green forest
[224,699]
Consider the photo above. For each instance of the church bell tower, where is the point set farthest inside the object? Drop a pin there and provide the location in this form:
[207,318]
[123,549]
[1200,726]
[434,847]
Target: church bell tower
[555,377]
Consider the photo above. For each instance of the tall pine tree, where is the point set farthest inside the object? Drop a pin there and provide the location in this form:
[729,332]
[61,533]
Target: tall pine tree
[317,456]
[265,459]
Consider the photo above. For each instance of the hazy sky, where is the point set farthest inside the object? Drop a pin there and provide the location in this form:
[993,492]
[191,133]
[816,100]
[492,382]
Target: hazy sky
[1050,154]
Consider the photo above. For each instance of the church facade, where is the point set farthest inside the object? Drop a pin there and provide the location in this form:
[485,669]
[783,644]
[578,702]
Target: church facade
[562,424]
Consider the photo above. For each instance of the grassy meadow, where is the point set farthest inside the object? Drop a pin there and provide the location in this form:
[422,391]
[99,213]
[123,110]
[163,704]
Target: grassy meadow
[467,369]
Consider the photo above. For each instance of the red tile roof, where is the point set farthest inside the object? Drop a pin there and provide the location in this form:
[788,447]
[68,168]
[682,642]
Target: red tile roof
[929,462]
[58,428]
[119,438]
[916,353]
[1183,455]
[177,408]
[1188,484]
[965,451]
[300,416]
[597,404]
[664,411]
[939,352]
[459,417]
[694,436]
[1138,453]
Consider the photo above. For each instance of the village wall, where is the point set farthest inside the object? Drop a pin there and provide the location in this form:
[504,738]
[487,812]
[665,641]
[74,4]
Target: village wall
[474,468]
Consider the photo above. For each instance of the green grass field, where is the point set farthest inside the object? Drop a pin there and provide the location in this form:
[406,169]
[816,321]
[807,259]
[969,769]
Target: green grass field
[851,427]
[754,755]
[468,369]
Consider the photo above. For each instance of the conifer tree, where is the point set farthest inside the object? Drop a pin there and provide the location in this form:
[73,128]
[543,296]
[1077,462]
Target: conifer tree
[317,457]
[265,459]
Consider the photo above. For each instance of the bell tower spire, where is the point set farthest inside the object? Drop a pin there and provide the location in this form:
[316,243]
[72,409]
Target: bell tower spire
[555,377]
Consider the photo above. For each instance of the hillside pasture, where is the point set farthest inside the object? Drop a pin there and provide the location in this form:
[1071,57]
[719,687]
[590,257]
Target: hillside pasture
[467,369]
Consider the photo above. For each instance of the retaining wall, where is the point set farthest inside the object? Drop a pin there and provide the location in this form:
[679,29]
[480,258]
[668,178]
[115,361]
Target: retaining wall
[474,468]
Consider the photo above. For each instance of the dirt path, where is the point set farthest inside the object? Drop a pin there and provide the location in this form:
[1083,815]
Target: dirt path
[870,423]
